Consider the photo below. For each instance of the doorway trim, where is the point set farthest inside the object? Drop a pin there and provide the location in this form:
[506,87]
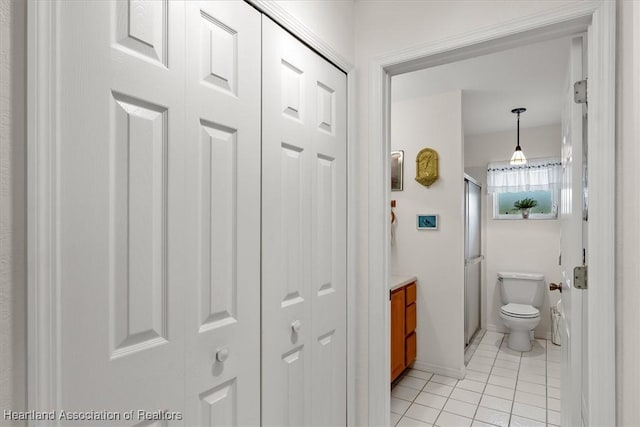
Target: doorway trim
[562,21]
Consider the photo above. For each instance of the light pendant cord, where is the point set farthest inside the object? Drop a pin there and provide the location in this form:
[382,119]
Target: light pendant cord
[518,137]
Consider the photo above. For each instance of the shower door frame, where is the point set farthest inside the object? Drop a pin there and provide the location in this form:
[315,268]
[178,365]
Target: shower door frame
[477,260]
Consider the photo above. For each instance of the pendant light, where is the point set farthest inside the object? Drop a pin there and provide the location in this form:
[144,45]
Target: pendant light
[518,157]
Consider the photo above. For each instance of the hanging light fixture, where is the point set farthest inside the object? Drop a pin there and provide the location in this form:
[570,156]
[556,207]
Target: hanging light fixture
[518,157]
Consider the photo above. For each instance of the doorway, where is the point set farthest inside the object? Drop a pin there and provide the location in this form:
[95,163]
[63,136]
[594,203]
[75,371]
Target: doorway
[434,107]
[598,20]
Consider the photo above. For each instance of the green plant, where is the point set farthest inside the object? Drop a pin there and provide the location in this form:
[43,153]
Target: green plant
[525,203]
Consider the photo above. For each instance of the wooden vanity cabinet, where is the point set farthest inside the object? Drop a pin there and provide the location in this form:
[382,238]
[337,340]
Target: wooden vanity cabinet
[403,326]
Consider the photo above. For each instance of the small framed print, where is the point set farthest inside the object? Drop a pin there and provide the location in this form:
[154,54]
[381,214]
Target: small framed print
[397,160]
[427,222]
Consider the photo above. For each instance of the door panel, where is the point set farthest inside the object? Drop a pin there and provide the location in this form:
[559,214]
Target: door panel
[159,210]
[572,244]
[304,244]
[223,201]
[473,259]
[474,220]
[472,290]
[329,246]
[397,330]
[410,318]
[410,349]
[138,225]
[119,216]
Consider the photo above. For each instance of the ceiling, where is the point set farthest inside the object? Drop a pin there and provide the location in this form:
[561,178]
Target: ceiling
[531,76]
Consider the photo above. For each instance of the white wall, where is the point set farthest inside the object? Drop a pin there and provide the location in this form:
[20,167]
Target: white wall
[12,206]
[332,21]
[383,27]
[436,257]
[538,241]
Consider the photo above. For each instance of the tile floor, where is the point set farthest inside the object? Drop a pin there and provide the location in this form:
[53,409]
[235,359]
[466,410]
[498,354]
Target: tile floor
[502,388]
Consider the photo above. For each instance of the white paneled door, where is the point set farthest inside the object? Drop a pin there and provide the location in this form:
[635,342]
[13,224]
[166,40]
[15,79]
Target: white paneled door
[223,162]
[573,241]
[158,215]
[120,208]
[304,235]
[177,156]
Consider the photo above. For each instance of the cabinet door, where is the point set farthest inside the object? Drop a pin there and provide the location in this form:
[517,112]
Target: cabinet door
[411,291]
[410,318]
[397,333]
[410,350]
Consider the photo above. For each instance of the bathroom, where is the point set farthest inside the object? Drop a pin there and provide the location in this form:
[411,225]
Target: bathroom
[462,111]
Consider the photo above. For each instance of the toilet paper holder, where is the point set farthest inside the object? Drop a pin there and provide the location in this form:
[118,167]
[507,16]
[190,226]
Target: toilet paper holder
[555,287]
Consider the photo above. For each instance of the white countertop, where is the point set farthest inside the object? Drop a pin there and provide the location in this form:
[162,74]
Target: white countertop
[399,280]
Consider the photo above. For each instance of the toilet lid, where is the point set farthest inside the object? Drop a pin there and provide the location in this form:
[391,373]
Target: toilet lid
[520,310]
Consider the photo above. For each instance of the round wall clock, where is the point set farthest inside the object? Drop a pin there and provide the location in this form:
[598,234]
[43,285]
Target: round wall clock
[427,166]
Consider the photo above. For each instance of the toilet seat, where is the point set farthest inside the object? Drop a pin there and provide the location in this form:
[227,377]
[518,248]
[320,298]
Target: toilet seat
[522,311]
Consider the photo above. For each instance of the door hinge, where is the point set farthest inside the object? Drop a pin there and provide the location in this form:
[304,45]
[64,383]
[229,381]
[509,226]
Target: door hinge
[580,92]
[580,277]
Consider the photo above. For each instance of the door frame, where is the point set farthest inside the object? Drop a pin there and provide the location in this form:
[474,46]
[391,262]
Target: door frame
[565,20]
[43,281]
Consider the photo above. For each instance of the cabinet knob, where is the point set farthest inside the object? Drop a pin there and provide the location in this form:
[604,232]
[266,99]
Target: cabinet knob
[222,354]
[296,325]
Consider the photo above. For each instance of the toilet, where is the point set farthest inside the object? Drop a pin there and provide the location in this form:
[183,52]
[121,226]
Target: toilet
[522,296]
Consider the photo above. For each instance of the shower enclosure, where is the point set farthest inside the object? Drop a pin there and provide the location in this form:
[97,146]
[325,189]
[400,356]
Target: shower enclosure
[473,258]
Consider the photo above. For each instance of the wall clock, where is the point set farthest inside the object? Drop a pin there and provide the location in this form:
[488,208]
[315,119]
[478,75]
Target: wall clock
[427,166]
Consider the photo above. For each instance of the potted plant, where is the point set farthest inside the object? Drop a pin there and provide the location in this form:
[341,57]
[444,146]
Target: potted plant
[525,206]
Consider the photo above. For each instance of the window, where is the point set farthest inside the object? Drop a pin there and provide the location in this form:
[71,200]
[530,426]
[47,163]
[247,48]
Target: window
[539,180]
[547,207]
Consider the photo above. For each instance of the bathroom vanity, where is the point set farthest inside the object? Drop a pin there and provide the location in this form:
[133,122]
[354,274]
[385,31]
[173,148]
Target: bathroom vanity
[402,295]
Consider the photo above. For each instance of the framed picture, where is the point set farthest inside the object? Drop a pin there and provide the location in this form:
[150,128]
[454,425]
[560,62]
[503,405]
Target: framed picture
[427,222]
[397,160]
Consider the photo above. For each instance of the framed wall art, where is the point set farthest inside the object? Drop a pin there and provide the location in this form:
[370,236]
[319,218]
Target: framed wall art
[426,222]
[397,170]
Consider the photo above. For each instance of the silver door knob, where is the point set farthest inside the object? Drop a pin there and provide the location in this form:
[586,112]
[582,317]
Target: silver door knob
[222,354]
[296,325]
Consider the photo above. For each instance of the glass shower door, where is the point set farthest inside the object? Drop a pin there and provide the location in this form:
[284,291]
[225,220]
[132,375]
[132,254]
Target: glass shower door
[473,259]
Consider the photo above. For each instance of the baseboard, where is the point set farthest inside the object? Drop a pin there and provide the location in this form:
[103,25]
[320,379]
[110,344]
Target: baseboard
[544,336]
[441,370]
[496,328]
[501,329]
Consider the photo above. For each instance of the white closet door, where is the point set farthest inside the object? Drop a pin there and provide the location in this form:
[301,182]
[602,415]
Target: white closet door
[304,235]
[159,214]
[120,246]
[223,188]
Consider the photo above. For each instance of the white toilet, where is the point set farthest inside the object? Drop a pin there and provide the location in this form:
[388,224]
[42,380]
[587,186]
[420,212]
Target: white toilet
[522,296]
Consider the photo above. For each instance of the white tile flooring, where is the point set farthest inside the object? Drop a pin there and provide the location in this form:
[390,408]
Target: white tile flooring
[502,388]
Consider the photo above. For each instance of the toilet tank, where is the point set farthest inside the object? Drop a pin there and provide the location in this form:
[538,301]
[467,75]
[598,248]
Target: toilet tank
[522,288]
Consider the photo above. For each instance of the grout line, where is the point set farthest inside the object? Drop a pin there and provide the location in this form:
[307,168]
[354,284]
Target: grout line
[515,388]
[414,399]
[455,386]
[487,382]
[546,385]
